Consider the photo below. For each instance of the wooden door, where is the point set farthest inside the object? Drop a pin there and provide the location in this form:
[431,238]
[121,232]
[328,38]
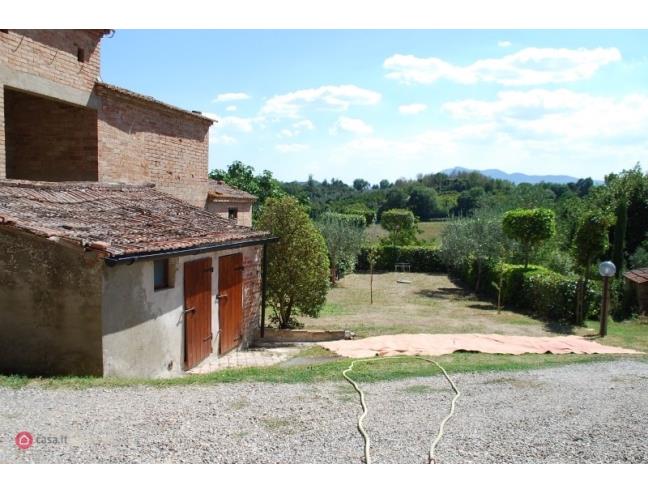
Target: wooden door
[198,313]
[230,301]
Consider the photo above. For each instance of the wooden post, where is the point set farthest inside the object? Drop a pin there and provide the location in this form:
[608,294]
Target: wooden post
[371,282]
[605,301]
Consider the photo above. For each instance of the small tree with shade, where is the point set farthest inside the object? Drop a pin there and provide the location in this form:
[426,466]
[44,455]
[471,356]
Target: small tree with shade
[529,227]
[590,243]
[344,235]
[298,264]
[401,225]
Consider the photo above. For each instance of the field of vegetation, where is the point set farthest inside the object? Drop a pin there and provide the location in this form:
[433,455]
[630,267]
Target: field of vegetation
[430,232]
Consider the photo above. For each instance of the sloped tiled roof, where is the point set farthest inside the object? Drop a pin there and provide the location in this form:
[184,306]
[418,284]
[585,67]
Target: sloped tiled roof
[640,275]
[221,191]
[120,219]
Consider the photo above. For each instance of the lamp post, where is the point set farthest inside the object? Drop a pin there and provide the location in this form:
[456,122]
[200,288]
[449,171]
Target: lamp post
[607,270]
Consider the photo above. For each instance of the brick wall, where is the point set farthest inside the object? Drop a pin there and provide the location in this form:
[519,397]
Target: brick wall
[48,140]
[46,61]
[52,54]
[3,150]
[244,216]
[252,265]
[144,141]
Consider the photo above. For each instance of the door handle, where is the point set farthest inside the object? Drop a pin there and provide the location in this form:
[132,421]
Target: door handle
[221,296]
[208,338]
[189,310]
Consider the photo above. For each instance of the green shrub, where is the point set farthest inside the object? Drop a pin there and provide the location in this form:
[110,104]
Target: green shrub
[425,258]
[546,294]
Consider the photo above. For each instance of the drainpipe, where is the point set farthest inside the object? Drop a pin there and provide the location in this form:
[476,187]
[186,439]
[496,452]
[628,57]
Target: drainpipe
[264,274]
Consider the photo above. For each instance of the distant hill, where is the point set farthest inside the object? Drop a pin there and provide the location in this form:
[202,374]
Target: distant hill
[517,177]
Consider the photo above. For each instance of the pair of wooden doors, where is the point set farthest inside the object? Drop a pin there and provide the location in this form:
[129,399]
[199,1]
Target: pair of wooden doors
[198,306]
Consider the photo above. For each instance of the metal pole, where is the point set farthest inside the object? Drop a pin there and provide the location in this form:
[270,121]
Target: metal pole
[604,306]
[264,274]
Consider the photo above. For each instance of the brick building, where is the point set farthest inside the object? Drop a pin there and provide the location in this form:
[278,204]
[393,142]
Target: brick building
[60,124]
[230,203]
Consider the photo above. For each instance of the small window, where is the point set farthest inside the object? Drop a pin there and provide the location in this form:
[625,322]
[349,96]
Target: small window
[232,213]
[81,55]
[161,274]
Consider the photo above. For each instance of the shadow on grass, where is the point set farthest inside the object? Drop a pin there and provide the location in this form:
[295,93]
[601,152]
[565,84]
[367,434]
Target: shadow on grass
[483,307]
[557,327]
[444,293]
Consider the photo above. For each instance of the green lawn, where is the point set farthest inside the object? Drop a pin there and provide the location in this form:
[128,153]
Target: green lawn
[429,304]
[381,370]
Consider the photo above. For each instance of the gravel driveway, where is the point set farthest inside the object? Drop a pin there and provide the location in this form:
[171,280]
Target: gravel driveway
[576,413]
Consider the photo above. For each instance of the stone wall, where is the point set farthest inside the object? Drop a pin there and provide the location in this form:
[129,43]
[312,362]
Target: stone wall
[141,141]
[50,307]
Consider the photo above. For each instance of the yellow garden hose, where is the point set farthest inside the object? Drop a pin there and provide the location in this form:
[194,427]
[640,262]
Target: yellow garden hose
[367,454]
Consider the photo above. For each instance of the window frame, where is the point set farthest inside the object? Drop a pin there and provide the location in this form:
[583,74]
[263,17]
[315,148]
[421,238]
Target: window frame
[166,275]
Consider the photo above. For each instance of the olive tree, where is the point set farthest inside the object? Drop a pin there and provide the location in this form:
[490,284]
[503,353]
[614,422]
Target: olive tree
[401,225]
[476,239]
[298,265]
[529,227]
[344,234]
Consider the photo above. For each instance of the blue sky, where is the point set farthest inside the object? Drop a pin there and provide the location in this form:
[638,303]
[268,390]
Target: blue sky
[390,104]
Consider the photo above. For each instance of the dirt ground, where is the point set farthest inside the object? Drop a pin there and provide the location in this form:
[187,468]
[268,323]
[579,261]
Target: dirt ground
[426,304]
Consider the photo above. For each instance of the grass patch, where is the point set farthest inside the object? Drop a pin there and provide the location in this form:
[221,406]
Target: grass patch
[332,309]
[628,334]
[380,370]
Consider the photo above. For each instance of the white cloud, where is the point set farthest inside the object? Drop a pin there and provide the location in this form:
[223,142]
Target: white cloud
[536,131]
[529,66]
[230,108]
[231,96]
[336,97]
[351,125]
[559,114]
[222,140]
[290,148]
[414,108]
[304,125]
[286,133]
[503,44]
[236,123]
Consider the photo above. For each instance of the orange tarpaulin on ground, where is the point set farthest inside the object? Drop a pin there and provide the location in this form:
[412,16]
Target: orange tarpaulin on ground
[428,344]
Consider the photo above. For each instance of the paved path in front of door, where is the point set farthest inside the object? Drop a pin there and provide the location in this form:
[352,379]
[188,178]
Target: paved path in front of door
[256,357]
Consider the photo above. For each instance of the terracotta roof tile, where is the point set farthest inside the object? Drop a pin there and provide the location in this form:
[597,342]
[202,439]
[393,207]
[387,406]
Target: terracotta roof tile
[119,218]
[221,191]
[640,275]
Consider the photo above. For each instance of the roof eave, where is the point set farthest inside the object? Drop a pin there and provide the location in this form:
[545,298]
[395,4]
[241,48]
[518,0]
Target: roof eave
[192,250]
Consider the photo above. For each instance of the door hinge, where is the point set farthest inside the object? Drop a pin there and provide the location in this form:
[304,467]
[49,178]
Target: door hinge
[210,269]
[239,269]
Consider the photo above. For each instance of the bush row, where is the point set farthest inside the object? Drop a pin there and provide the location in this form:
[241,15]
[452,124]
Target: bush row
[421,258]
[545,293]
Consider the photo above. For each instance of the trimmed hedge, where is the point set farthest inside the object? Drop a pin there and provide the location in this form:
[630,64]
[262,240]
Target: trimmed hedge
[421,258]
[545,293]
